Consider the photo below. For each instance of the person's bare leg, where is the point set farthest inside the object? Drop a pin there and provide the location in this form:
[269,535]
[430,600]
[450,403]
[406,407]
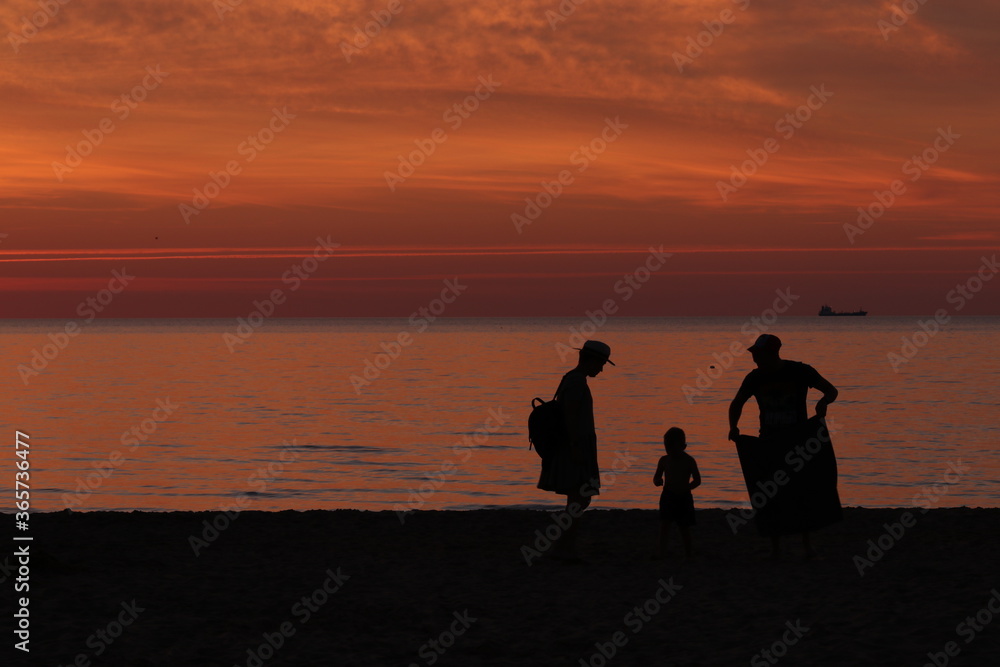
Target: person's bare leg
[807,550]
[661,549]
[775,547]
[565,547]
[686,539]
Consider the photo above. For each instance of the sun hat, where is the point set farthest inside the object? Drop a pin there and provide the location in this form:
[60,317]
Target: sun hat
[598,348]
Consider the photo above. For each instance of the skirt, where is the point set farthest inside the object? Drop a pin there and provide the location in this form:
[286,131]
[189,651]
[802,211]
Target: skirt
[572,472]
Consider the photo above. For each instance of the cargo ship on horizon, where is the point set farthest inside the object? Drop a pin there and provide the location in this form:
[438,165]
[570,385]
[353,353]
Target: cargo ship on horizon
[828,311]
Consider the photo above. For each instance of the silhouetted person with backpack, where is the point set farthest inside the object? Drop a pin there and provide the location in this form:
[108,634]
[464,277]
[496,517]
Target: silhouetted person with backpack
[572,470]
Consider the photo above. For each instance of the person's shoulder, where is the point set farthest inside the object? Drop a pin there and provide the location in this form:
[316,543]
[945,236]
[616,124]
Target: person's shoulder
[796,366]
[809,375]
[802,367]
[574,385]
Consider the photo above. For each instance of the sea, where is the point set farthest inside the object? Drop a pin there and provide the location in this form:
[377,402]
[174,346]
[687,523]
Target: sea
[395,414]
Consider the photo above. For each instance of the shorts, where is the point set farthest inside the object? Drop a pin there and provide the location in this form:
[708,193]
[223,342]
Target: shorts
[677,508]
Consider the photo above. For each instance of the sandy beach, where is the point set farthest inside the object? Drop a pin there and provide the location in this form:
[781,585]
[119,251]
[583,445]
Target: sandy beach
[455,588]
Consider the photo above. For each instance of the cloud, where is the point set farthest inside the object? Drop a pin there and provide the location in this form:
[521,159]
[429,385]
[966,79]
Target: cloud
[614,59]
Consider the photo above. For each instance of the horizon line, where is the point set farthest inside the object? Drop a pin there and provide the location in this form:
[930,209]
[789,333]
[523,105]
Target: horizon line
[290,252]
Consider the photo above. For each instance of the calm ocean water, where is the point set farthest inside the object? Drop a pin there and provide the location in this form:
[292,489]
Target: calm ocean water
[280,424]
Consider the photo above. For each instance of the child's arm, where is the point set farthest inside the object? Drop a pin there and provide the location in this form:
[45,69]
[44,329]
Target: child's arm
[695,475]
[658,477]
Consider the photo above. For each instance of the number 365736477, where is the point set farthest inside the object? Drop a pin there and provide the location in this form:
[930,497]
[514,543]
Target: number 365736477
[21,492]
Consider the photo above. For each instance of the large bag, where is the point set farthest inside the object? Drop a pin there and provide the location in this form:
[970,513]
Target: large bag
[805,498]
[546,425]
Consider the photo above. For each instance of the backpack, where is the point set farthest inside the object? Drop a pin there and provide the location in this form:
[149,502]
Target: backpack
[546,425]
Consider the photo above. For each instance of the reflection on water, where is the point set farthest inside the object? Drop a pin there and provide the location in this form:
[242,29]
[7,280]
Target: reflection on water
[426,427]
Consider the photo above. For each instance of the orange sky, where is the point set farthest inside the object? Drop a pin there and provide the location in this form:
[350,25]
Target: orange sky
[323,172]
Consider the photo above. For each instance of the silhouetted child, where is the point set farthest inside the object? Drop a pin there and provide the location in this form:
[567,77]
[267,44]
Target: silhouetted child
[677,473]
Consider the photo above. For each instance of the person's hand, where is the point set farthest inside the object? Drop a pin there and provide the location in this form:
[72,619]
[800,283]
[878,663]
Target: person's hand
[734,433]
[821,410]
[657,482]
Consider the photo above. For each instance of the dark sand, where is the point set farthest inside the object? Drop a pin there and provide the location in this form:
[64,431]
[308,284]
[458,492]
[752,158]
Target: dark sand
[406,583]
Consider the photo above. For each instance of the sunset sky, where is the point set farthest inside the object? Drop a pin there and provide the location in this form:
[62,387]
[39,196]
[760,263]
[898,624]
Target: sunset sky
[223,83]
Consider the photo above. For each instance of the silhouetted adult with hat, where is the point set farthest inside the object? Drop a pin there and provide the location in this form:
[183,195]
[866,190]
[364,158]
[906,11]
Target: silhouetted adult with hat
[573,470]
[781,388]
